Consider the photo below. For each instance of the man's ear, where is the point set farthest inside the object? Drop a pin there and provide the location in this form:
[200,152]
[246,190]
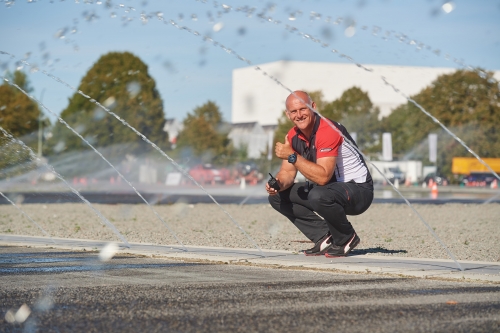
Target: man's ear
[287,115]
[313,104]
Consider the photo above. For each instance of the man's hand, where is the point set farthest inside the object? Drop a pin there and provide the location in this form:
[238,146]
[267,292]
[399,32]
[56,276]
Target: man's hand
[283,150]
[272,191]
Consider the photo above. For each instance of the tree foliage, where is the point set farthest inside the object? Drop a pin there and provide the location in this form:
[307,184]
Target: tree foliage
[206,135]
[119,81]
[465,102]
[356,112]
[18,113]
[19,116]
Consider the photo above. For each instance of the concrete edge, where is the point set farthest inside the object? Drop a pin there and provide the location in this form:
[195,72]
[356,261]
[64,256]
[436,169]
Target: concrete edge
[348,268]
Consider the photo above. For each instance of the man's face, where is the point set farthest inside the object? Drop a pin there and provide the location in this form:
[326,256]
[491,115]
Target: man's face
[299,113]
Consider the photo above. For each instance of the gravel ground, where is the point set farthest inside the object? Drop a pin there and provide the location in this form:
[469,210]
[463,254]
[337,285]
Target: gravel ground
[471,232]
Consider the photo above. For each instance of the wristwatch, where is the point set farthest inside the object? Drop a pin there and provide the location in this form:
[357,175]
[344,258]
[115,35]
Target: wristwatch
[292,158]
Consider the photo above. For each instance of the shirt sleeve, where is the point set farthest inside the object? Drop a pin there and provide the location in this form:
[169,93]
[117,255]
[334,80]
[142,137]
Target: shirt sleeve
[328,142]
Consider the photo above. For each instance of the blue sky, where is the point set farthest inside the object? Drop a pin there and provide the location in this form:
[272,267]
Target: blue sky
[67,37]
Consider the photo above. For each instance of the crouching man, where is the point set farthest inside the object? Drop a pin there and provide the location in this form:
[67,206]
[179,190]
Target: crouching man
[338,180]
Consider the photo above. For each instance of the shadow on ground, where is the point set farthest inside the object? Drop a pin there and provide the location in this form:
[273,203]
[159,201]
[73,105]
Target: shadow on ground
[378,249]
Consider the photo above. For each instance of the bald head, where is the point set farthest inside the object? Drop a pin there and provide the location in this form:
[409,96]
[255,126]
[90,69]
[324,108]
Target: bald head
[300,110]
[298,96]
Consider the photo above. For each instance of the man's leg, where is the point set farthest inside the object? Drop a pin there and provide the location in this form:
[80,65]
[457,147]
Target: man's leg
[294,204]
[333,201]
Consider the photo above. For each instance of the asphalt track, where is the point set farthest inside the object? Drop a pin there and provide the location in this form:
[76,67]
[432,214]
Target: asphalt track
[73,291]
[230,196]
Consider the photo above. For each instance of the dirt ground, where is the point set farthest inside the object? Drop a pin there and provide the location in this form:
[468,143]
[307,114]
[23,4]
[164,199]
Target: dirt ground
[471,232]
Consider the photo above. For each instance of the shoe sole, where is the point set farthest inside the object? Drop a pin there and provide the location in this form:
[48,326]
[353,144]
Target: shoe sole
[318,253]
[354,243]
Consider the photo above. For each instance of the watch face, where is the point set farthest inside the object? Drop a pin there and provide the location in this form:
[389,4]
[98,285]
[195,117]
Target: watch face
[292,158]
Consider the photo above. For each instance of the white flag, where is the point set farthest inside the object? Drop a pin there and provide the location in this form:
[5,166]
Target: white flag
[433,139]
[387,146]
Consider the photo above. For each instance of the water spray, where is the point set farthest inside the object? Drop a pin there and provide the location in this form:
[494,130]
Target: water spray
[143,137]
[103,219]
[27,216]
[230,51]
[98,153]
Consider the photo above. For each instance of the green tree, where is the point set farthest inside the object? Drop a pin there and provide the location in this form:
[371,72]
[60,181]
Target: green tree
[18,113]
[121,82]
[465,102]
[19,116]
[356,112]
[206,134]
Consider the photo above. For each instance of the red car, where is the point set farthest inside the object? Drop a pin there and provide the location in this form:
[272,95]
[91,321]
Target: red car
[207,174]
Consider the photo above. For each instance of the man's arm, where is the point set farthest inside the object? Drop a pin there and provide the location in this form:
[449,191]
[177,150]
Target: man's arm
[285,177]
[320,172]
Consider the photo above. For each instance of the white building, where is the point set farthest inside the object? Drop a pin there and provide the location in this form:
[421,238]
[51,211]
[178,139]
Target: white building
[257,98]
[253,136]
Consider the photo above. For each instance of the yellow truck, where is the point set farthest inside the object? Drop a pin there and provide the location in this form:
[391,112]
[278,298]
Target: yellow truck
[468,165]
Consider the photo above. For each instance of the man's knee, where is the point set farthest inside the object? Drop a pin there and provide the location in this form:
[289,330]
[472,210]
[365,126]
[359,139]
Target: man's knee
[317,195]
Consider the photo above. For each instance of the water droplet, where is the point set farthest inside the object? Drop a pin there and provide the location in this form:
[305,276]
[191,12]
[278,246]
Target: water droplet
[448,7]
[292,18]
[99,114]
[61,33]
[133,88]
[242,31]
[79,129]
[350,31]
[122,5]
[218,26]
[34,69]
[113,15]
[109,102]
[45,303]
[194,17]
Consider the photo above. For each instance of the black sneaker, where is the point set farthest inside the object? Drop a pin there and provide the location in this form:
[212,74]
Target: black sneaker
[342,251]
[320,247]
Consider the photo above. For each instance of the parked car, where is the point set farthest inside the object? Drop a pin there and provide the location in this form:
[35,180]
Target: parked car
[437,178]
[393,173]
[207,174]
[249,171]
[478,179]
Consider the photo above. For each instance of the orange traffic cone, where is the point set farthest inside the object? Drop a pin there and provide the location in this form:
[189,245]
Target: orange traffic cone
[494,184]
[434,191]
